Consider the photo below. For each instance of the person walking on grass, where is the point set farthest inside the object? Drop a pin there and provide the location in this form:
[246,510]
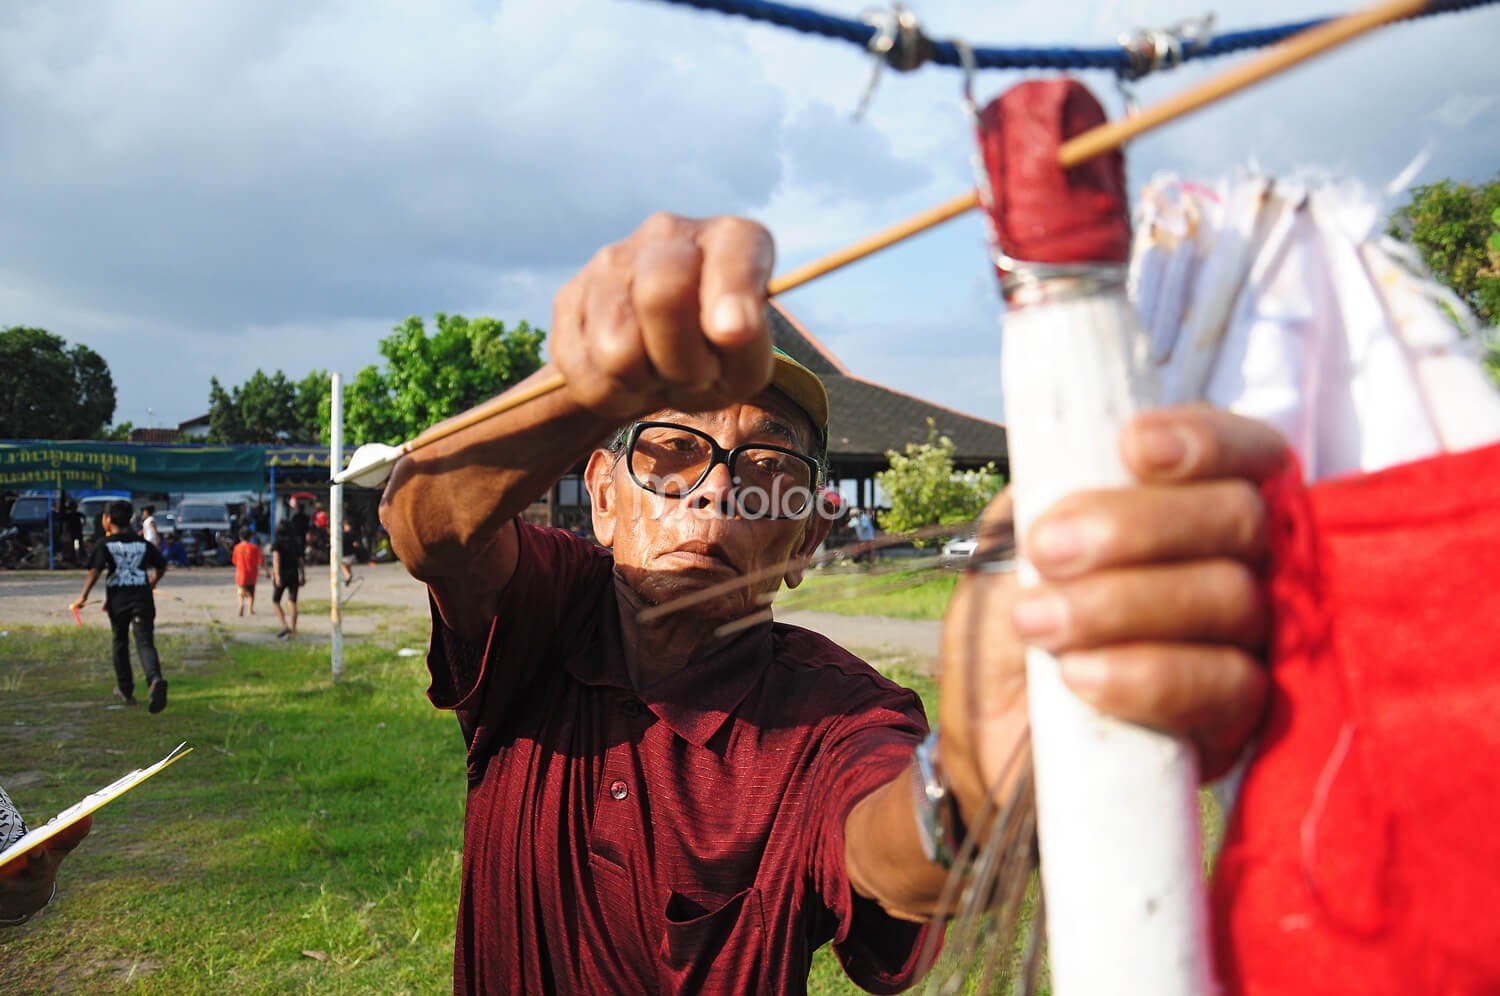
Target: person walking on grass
[287,574]
[248,561]
[130,601]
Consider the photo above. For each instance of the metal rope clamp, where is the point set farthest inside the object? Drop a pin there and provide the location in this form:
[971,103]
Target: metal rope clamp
[1152,49]
[898,42]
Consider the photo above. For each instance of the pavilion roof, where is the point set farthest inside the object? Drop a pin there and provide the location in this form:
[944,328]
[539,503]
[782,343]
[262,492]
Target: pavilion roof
[866,419]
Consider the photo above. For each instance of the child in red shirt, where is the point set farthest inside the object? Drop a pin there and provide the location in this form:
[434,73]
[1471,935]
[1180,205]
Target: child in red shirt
[247,563]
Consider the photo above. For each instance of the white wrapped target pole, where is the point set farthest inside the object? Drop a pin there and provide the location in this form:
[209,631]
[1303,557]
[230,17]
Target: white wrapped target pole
[1117,804]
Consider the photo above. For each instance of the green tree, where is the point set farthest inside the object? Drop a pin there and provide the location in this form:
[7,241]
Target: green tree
[427,378]
[117,433]
[51,391]
[313,406]
[1456,228]
[1453,225]
[269,408]
[925,489]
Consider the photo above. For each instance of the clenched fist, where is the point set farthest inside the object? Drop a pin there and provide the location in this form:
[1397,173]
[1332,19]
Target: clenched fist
[673,316]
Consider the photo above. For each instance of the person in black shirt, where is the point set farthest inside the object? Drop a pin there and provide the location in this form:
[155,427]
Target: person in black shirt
[287,573]
[300,524]
[73,526]
[129,601]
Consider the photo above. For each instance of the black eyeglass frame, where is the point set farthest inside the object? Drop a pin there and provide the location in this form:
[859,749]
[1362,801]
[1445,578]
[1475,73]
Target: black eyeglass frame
[718,455]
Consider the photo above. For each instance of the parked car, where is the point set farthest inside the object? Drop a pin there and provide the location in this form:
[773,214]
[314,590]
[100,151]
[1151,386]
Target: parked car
[959,549]
[204,528]
[197,516]
[29,512]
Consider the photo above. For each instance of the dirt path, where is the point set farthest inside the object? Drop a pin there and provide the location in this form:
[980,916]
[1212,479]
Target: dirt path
[189,598]
[916,638]
[384,594]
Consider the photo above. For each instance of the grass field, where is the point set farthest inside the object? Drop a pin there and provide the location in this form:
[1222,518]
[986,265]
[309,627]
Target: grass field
[892,592]
[310,843]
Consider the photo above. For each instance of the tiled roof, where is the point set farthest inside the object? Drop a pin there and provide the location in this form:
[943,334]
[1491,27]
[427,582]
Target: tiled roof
[866,419]
[153,435]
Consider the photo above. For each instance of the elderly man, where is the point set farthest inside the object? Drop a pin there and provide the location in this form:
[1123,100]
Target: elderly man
[667,805]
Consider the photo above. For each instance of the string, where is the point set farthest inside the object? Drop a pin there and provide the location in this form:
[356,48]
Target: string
[1118,58]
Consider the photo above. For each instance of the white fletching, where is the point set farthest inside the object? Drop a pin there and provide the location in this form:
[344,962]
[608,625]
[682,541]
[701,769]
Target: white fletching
[370,465]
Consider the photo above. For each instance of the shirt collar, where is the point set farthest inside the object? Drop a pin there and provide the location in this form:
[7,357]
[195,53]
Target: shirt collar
[695,702]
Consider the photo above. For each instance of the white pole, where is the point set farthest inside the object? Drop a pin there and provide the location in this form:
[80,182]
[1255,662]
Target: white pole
[336,523]
[1117,805]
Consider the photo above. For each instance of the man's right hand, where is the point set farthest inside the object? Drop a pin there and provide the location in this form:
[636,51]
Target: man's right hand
[673,316]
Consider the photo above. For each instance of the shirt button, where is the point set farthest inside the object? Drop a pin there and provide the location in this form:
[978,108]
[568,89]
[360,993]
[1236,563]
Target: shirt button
[618,789]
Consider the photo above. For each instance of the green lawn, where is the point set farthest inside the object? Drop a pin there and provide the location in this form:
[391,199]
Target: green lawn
[311,817]
[921,593]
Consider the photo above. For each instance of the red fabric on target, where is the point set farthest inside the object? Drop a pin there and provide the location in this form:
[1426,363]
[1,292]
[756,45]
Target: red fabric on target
[1040,212]
[1364,855]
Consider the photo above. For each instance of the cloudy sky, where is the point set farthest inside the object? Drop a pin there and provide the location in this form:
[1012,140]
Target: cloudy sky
[198,189]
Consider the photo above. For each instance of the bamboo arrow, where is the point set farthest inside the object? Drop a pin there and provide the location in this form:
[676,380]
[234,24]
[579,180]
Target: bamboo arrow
[371,464]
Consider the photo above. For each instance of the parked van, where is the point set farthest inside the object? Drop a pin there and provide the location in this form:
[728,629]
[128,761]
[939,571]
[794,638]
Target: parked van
[94,506]
[204,527]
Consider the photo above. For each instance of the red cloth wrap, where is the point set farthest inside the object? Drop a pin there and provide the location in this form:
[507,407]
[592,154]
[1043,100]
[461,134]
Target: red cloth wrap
[1364,855]
[1038,211]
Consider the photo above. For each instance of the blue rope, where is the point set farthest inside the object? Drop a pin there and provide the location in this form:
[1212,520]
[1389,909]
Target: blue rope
[946,53]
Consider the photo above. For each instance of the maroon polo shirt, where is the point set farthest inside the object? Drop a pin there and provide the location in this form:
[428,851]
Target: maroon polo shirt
[687,837]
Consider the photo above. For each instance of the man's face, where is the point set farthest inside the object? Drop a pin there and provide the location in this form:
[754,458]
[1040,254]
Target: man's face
[668,547]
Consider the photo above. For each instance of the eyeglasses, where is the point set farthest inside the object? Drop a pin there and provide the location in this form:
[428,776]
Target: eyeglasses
[674,460]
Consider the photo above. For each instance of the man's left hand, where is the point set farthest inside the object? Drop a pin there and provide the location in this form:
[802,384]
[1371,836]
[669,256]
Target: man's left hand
[1149,597]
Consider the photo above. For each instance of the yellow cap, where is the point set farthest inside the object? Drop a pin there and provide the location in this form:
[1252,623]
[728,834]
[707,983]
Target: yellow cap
[803,387]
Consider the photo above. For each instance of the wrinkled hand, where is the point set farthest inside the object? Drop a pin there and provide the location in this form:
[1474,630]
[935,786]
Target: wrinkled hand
[1149,597]
[26,883]
[673,316]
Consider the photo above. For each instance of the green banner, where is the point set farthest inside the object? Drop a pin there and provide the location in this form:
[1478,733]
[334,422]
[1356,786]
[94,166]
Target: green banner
[133,467]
